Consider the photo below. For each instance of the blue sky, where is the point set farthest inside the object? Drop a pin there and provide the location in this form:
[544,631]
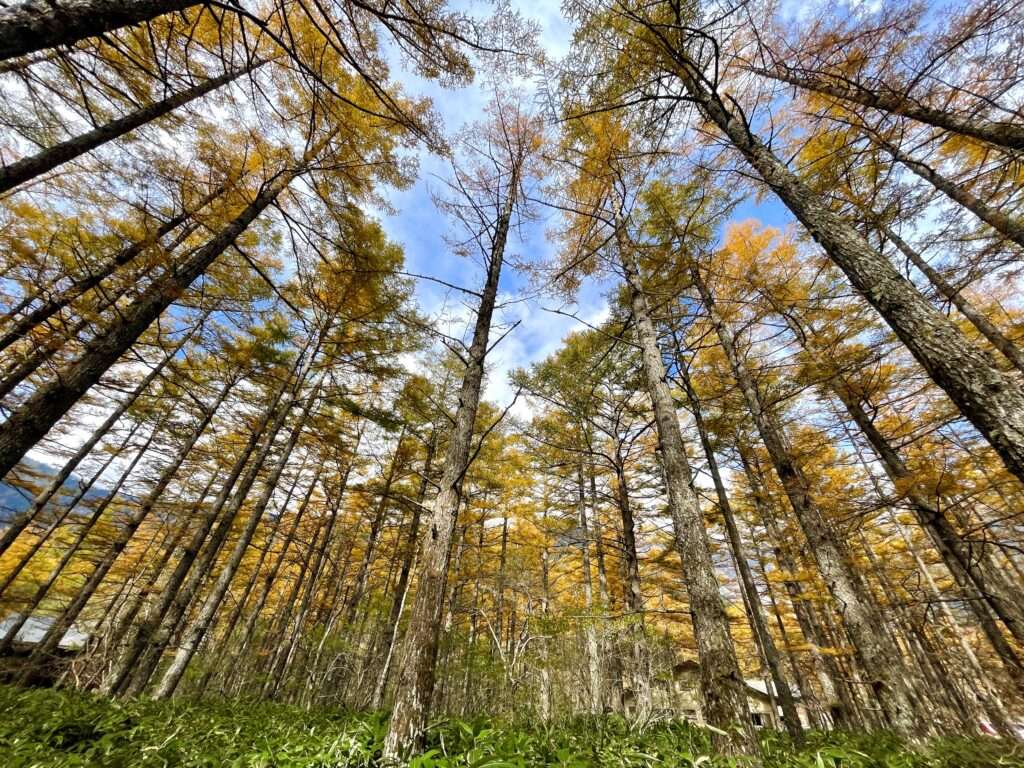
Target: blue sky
[420,228]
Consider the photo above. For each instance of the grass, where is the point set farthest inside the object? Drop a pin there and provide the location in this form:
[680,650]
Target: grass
[41,728]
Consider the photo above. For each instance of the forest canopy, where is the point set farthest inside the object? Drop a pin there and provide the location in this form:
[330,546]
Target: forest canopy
[630,383]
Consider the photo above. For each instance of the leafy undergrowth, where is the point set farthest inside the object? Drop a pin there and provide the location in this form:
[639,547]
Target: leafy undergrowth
[42,728]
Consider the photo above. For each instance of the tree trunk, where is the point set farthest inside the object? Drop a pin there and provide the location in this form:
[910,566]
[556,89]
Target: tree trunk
[416,683]
[52,304]
[72,611]
[40,501]
[595,521]
[28,168]
[985,327]
[49,403]
[189,642]
[590,631]
[790,715]
[1006,225]
[825,667]
[376,523]
[989,398]
[144,648]
[881,658]
[58,520]
[33,25]
[49,642]
[722,685]
[402,587]
[1002,134]
[240,656]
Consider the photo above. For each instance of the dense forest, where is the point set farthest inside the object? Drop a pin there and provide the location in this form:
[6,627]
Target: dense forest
[695,436]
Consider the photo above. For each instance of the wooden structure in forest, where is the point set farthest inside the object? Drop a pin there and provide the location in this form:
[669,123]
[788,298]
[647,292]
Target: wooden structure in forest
[765,712]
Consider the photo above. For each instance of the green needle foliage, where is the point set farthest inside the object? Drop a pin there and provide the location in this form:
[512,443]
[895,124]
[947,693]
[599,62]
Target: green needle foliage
[47,728]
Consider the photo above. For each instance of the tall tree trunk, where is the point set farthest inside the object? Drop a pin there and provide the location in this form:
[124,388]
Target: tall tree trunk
[1002,134]
[32,25]
[790,715]
[976,569]
[189,641]
[55,633]
[594,678]
[1006,225]
[144,647]
[634,596]
[30,359]
[43,498]
[830,679]
[62,515]
[376,523]
[29,168]
[242,655]
[985,327]
[881,658]
[989,398]
[402,587]
[595,521]
[722,685]
[52,303]
[416,683]
[84,529]
[141,513]
[544,705]
[50,402]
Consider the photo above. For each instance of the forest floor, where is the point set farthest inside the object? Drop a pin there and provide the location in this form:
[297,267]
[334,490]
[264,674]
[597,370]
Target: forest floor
[44,727]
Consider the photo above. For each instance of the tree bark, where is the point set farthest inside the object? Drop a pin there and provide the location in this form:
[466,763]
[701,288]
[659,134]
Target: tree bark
[416,682]
[790,715]
[33,25]
[43,498]
[402,586]
[144,647]
[70,614]
[189,642]
[985,327]
[590,631]
[722,685]
[53,304]
[1006,225]
[989,398]
[881,658]
[29,423]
